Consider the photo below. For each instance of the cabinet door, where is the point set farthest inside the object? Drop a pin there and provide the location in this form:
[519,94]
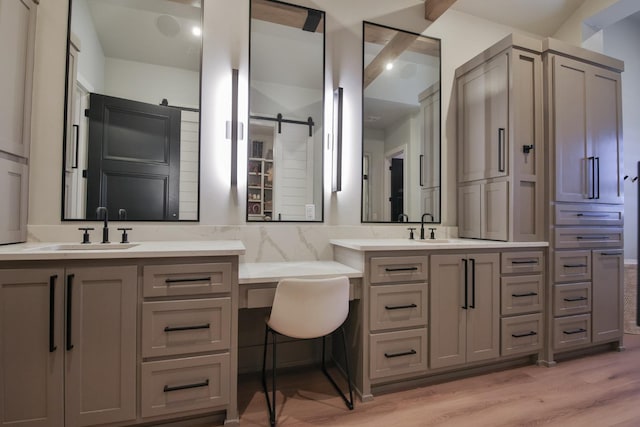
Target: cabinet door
[483,117]
[483,315]
[101,345]
[447,325]
[495,211]
[605,125]
[31,348]
[607,295]
[17,37]
[469,217]
[14,177]
[569,124]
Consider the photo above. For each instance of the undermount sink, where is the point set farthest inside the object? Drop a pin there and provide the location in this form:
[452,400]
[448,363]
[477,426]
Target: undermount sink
[87,247]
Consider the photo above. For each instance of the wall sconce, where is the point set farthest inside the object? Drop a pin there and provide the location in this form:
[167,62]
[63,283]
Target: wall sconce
[336,147]
[234,129]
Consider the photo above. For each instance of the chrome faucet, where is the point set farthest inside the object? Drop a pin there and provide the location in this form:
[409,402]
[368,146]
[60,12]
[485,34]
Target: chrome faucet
[422,224]
[105,229]
[402,217]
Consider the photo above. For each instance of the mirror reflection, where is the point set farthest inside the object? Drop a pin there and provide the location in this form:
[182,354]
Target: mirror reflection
[133,109]
[286,94]
[401,126]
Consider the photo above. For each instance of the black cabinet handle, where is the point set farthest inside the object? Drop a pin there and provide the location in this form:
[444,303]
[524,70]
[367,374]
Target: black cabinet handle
[399,307]
[592,237]
[529,261]
[526,334]
[466,285]
[501,154]
[69,311]
[52,314]
[186,328]
[194,279]
[574,265]
[473,283]
[76,134]
[401,269]
[402,353]
[420,166]
[574,299]
[167,388]
[610,253]
[597,194]
[592,164]
[527,294]
[574,331]
[592,215]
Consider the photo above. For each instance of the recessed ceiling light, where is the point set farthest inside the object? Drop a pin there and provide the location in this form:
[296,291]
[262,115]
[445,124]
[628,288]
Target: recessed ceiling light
[196,31]
[389,65]
[168,25]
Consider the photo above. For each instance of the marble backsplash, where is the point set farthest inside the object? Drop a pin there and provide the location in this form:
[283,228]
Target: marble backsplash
[264,243]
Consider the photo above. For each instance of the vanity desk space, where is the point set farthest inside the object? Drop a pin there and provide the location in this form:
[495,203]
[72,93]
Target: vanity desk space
[441,308]
[140,333]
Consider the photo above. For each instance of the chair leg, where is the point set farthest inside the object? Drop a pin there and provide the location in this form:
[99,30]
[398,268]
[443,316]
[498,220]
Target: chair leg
[348,402]
[271,403]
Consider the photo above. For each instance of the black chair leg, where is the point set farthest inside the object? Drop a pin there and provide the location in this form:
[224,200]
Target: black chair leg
[271,403]
[348,402]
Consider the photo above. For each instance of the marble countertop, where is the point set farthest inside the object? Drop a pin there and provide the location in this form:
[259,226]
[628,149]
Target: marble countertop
[406,244]
[34,251]
[263,272]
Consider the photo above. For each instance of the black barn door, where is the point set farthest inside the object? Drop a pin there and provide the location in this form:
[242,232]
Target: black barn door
[133,159]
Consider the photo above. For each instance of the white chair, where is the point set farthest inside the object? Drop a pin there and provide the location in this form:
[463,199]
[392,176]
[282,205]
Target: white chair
[305,309]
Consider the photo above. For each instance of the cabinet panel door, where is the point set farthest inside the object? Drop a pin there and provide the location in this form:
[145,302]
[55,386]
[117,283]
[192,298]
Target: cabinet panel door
[14,177]
[447,324]
[605,121]
[495,211]
[483,316]
[569,124]
[607,293]
[469,212]
[31,348]
[101,365]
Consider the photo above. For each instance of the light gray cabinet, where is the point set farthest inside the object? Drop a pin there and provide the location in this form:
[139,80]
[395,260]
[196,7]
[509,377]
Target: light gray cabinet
[75,363]
[500,142]
[608,296]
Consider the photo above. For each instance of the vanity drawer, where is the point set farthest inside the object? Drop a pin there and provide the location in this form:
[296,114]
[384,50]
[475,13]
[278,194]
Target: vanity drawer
[584,214]
[396,353]
[178,385]
[521,294]
[572,266]
[521,334]
[187,326]
[522,262]
[572,298]
[186,279]
[398,306]
[571,331]
[587,237]
[398,269]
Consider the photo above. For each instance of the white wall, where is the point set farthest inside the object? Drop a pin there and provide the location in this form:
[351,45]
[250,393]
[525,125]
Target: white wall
[92,60]
[621,40]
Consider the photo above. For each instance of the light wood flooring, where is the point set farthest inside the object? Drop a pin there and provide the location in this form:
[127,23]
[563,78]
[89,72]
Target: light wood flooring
[597,390]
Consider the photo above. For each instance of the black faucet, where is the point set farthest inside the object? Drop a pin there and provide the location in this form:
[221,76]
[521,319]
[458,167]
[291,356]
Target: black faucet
[402,217]
[422,224]
[105,229]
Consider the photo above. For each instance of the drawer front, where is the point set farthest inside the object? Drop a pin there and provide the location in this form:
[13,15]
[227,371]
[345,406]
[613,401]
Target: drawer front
[398,306]
[396,353]
[186,279]
[177,385]
[398,269]
[581,214]
[521,294]
[572,298]
[571,331]
[587,237]
[522,262]
[572,266]
[189,326]
[521,334]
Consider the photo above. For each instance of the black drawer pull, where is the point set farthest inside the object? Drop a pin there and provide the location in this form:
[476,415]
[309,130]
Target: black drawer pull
[526,334]
[185,328]
[573,299]
[69,311]
[592,215]
[399,307]
[403,353]
[401,269]
[574,265]
[610,253]
[530,261]
[52,314]
[574,331]
[167,388]
[593,237]
[195,279]
[527,294]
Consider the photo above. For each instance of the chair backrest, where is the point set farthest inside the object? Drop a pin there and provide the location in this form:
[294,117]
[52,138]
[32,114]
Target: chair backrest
[310,308]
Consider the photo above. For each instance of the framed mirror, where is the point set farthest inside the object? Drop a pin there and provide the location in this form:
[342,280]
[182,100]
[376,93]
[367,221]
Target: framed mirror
[132,116]
[401,126]
[286,107]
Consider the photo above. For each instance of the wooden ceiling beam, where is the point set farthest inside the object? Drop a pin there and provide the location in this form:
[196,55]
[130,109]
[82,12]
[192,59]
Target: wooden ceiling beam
[392,50]
[433,9]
